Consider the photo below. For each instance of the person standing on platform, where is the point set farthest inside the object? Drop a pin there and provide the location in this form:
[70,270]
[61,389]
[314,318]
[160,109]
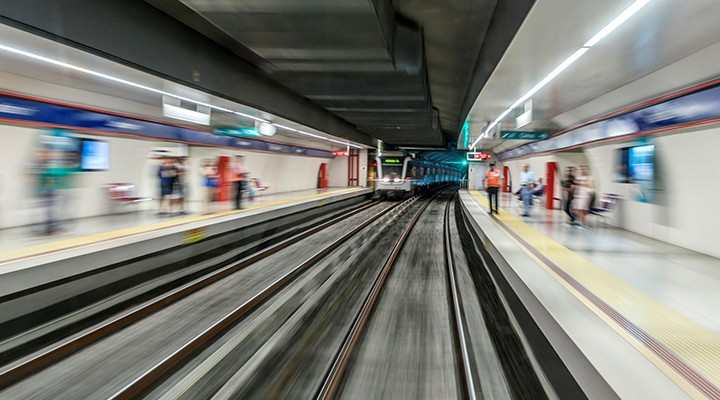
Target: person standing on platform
[492,186]
[527,182]
[583,195]
[239,174]
[180,189]
[568,189]
[167,175]
[210,182]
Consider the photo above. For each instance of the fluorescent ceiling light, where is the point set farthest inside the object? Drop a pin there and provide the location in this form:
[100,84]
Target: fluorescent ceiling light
[635,7]
[150,89]
[120,80]
[287,128]
[624,16]
[560,68]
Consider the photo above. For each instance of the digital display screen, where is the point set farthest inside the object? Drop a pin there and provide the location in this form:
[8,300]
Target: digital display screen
[95,155]
[622,167]
[635,164]
[392,161]
[642,163]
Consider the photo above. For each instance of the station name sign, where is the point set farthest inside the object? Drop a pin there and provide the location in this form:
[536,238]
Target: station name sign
[524,135]
[472,156]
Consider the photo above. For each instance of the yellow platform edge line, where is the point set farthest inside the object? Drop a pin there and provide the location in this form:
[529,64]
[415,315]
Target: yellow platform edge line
[52,247]
[698,346]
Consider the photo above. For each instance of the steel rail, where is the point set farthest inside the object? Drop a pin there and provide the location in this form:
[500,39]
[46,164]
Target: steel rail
[334,377]
[464,365]
[154,375]
[32,365]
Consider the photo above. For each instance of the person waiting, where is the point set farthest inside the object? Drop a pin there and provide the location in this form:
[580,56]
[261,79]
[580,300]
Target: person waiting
[539,188]
[568,189]
[492,185]
[527,181]
[210,182]
[239,175]
[583,195]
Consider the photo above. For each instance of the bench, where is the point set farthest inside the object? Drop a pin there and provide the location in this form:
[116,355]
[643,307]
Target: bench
[124,193]
[254,186]
[607,203]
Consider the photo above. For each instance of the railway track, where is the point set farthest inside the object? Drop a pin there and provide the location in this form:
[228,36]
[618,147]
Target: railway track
[354,315]
[300,357]
[23,370]
[337,375]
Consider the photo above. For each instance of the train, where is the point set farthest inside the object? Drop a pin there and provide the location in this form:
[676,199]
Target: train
[403,176]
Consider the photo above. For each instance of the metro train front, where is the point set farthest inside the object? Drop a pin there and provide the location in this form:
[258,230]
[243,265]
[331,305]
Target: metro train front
[402,176]
[392,177]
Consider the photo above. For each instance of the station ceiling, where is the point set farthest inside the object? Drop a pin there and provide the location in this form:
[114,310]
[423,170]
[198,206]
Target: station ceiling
[658,36]
[404,71]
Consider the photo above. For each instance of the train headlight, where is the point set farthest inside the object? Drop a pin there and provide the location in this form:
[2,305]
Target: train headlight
[397,180]
[386,180]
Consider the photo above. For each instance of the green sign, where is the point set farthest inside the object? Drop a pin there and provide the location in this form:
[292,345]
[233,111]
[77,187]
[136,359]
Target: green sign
[524,135]
[236,132]
[391,161]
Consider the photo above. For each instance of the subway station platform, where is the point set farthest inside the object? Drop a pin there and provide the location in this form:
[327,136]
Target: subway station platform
[104,262]
[94,245]
[631,317]
[25,242]
[112,261]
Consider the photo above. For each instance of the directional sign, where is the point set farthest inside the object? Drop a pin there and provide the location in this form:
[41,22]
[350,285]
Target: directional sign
[524,135]
[236,132]
[471,156]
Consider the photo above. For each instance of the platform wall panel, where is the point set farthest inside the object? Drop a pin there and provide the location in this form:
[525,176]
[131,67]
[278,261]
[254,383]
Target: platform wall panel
[687,191]
[131,161]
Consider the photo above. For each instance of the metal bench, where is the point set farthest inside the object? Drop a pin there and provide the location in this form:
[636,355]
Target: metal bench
[607,203]
[124,193]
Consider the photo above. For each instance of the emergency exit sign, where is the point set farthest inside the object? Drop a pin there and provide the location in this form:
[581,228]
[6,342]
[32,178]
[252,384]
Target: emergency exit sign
[471,156]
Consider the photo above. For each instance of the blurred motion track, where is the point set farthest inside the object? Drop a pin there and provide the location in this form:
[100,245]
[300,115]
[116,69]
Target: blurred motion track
[460,332]
[336,376]
[333,381]
[32,365]
[377,304]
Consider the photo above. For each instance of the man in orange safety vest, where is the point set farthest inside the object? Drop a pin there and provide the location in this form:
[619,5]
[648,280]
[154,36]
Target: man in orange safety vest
[492,185]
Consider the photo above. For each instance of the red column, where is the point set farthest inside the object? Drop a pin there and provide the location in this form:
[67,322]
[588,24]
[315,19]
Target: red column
[323,177]
[224,181]
[550,185]
[506,180]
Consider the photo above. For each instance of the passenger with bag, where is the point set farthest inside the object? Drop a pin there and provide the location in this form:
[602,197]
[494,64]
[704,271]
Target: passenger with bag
[210,182]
